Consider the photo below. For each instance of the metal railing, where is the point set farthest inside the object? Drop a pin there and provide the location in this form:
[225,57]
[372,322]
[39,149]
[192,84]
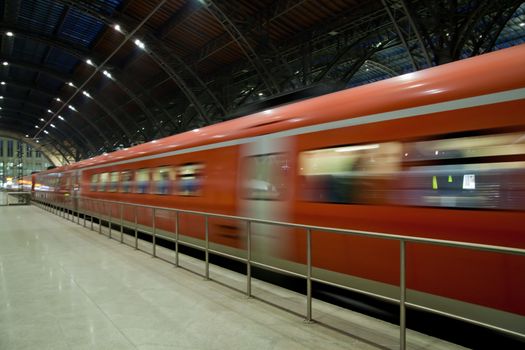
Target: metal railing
[99,208]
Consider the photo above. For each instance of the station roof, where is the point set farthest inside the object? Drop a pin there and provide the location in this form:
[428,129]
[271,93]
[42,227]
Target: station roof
[86,77]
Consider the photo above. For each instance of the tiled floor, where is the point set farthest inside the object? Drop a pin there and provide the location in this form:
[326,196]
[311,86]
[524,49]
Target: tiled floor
[65,287]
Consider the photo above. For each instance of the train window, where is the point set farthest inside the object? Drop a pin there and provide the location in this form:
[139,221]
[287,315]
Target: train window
[113,181]
[103,180]
[349,174]
[265,177]
[482,171]
[142,181]
[94,182]
[189,178]
[163,180]
[126,181]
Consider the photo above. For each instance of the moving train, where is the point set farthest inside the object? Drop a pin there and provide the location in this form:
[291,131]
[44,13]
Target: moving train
[438,153]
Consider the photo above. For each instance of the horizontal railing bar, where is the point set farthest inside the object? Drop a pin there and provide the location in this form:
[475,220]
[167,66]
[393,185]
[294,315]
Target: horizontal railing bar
[273,268]
[412,239]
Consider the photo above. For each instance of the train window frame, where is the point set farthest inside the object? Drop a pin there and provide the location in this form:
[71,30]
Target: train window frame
[126,182]
[103,181]
[160,185]
[142,186]
[266,188]
[357,177]
[113,182]
[93,184]
[184,173]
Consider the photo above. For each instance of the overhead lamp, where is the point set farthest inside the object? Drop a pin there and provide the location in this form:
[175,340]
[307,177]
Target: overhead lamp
[42,119]
[86,93]
[53,125]
[49,111]
[37,141]
[261,94]
[90,62]
[140,44]
[9,34]
[107,74]
[60,117]
[36,127]
[5,63]
[27,135]
[58,99]
[70,84]
[0,107]
[522,24]
[71,107]
[3,83]
[46,132]
[1,97]
[117,28]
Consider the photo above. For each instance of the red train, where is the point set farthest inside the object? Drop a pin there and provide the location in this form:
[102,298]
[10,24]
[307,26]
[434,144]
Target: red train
[438,153]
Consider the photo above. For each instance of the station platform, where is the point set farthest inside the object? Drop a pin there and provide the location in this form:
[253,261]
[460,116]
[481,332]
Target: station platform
[63,286]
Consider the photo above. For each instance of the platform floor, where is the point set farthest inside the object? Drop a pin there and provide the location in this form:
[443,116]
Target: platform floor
[63,286]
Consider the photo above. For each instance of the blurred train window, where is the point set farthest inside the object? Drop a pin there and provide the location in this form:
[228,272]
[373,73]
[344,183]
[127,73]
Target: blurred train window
[142,180]
[113,181]
[94,182]
[126,181]
[163,180]
[265,177]
[103,181]
[189,179]
[349,174]
[482,171]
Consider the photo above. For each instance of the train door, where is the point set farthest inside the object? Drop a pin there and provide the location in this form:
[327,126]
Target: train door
[75,189]
[266,175]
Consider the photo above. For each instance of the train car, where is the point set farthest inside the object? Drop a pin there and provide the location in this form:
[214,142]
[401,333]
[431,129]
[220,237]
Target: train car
[438,153]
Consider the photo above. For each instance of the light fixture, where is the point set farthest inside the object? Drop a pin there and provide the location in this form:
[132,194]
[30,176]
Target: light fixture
[140,44]
[5,63]
[37,141]
[53,125]
[46,132]
[261,94]
[107,74]
[522,24]
[90,62]
[58,99]
[86,93]
[3,83]
[71,107]
[27,135]
[60,117]
[49,111]
[117,28]
[42,119]
[36,127]
[9,34]
[1,97]
[70,84]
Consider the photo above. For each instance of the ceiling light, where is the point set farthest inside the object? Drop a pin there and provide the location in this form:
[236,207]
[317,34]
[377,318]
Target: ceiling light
[27,135]
[37,141]
[58,99]
[5,63]
[522,24]
[140,44]
[107,74]
[71,84]
[60,117]
[53,125]
[86,94]
[9,34]
[36,127]
[90,62]
[46,132]
[42,120]
[72,108]
[49,111]
[117,28]
[261,94]
[3,83]
[1,97]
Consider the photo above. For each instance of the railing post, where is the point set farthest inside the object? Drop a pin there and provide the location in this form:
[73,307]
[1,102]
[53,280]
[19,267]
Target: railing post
[84,216]
[207,253]
[109,221]
[136,231]
[154,236]
[402,287]
[121,223]
[248,258]
[176,238]
[308,275]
